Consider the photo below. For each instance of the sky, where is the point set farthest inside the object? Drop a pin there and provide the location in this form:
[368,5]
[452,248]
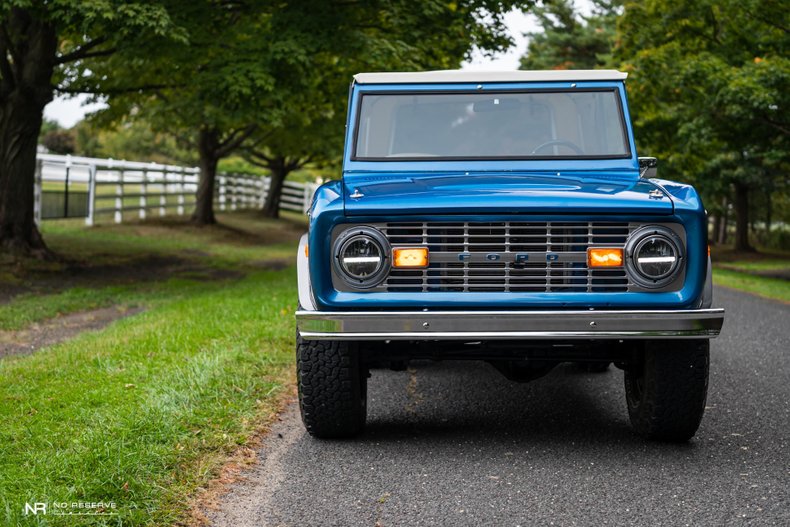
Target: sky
[68,111]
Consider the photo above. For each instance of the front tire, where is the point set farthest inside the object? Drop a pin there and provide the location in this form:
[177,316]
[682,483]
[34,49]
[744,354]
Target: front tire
[666,389]
[332,388]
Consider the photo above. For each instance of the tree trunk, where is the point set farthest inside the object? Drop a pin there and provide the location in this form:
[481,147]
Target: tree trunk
[279,171]
[714,238]
[742,218]
[208,145]
[25,88]
[722,234]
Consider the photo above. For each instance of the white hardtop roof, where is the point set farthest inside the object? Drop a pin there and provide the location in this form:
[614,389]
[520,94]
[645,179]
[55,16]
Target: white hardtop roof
[464,76]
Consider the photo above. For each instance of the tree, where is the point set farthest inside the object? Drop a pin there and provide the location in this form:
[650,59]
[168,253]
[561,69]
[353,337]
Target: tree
[43,47]
[569,40]
[132,140]
[303,138]
[59,141]
[397,35]
[275,74]
[710,91]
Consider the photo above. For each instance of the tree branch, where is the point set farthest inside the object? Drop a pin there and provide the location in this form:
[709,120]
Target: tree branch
[114,91]
[259,139]
[92,54]
[8,79]
[234,140]
[83,51]
[9,44]
[297,162]
[778,126]
[764,20]
[255,157]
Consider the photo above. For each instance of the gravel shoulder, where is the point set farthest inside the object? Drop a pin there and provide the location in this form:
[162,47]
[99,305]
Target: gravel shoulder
[457,444]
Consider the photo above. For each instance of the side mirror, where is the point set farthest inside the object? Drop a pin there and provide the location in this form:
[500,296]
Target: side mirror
[648,167]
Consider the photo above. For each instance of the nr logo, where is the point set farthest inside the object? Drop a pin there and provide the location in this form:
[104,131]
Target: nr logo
[35,508]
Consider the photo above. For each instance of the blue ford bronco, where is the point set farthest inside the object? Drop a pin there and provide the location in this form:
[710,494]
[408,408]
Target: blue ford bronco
[503,217]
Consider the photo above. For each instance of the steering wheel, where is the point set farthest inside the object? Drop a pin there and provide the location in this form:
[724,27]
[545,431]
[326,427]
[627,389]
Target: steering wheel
[559,142]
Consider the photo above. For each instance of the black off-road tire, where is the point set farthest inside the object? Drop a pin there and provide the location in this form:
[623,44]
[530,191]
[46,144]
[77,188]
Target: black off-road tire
[666,388]
[332,388]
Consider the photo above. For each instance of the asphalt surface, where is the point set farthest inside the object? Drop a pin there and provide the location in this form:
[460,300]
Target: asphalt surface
[457,444]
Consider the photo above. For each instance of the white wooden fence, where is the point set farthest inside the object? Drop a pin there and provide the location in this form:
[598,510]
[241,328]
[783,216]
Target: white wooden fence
[71,186]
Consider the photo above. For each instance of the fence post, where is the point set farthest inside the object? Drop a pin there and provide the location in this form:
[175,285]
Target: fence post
[91,217]
[163,192]
[266,183]
[37,189]
[262,192]
[181,190]
[119,197]
[222,191]
[234,191]
[144,195]
[163,202]
[66,185]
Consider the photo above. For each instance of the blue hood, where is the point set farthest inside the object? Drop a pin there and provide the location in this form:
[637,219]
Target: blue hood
[582,193]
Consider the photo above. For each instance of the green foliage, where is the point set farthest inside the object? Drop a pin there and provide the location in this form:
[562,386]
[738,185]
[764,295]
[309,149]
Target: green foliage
[568,40]
[709,90]
[59,141]
[96,30]
[132,140]
[235,164]
[145,411]
[48,125]
[276,74]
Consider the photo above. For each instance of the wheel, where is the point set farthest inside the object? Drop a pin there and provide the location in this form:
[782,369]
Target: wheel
[666,388]
[332,388]
[594,367]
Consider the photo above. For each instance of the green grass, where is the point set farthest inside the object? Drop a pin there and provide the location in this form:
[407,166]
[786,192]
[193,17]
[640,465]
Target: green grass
[145,411]
[29,308]
[243,244]
[769,264]
[763,273]
[774,288]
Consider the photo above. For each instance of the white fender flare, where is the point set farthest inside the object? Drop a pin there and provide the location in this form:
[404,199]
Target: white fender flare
[706,298]
[306,300]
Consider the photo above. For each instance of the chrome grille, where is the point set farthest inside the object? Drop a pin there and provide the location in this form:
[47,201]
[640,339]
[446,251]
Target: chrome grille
[555,256]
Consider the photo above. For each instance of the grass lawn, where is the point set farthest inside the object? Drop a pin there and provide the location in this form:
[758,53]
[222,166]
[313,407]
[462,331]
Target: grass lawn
[765,274]
[774,288]
[143,412]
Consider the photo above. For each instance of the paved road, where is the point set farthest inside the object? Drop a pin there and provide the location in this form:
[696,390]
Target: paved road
[456,444]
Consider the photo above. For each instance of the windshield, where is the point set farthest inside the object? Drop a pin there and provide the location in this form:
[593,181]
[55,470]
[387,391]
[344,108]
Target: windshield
[561,124]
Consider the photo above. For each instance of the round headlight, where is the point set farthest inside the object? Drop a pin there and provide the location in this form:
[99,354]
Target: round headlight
[654,256]
[362,257]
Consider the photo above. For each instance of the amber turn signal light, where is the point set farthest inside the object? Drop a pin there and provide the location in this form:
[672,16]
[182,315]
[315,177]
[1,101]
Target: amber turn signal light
[604,257]
[410,257]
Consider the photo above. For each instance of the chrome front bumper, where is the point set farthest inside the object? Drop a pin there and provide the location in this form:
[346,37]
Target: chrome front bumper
[499,325]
